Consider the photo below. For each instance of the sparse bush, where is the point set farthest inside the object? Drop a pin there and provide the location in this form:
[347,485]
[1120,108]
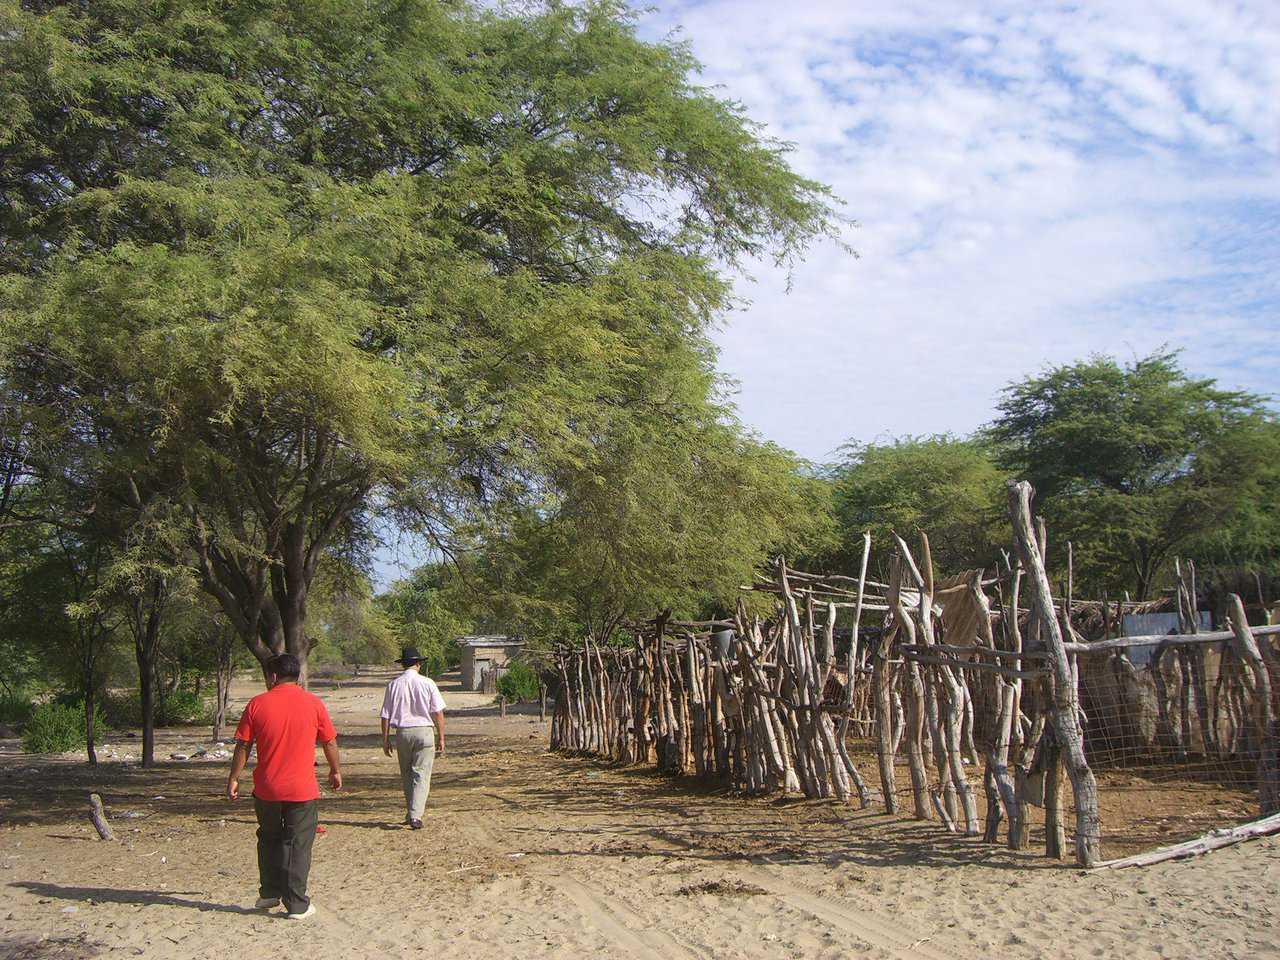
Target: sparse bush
[179,708]
[520,682]
[56,728]
[15,708]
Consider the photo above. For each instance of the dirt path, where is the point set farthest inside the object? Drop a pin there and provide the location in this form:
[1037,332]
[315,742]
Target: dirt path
[536,856]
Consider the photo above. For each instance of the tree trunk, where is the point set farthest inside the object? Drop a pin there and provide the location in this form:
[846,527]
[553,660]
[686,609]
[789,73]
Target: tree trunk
[145,623]
[90,733]
[265,600]
[222,696]
[147,699]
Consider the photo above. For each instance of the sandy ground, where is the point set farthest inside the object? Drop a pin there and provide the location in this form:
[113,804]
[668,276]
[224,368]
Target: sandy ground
[536,856]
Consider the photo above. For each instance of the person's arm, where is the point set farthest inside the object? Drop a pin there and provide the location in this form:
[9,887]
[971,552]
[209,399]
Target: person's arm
[386,721]
[330,748]
[239,758]
[327,737]
[438,719]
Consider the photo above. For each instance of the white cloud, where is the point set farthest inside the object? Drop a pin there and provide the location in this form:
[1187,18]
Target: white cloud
[1033,183]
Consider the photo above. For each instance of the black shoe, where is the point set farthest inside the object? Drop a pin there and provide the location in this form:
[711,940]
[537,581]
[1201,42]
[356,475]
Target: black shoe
[415,824]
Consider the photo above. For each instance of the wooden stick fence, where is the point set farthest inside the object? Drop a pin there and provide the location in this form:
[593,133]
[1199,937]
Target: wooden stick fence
[767,705]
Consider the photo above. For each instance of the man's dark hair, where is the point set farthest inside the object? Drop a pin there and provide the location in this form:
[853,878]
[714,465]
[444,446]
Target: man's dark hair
[285,666]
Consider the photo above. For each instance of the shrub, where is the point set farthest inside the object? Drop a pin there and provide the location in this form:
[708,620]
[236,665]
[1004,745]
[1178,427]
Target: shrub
[181,707]
[15,708]
[122,710]
[520,682]
[57,727]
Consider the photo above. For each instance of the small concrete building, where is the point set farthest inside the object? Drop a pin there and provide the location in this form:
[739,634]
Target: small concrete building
[485,659]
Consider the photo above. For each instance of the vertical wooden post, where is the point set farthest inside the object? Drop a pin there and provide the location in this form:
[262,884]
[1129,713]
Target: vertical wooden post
[1055,832]
[1006,792]
[950,701]
[1246,648]
[1066,718]
[882,680]
[1011,785]
[914,698]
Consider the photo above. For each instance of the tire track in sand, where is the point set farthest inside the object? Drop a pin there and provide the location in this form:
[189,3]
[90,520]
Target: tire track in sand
[865,925]
[626,928]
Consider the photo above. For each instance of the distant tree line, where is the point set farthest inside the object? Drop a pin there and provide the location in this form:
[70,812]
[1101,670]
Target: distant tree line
[1134,464]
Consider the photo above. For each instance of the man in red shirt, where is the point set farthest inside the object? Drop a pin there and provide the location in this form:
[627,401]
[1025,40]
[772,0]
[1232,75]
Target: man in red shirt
[286,722]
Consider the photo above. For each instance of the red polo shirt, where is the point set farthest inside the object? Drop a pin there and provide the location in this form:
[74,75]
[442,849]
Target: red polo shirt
[286,722]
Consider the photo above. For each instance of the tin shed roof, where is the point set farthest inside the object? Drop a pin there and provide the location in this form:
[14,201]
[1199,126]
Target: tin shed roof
[489,641]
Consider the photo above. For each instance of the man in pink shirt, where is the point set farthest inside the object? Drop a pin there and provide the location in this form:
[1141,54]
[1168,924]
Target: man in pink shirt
[413,706]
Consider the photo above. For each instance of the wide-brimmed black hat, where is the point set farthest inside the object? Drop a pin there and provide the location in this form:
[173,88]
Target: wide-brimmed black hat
[409,656]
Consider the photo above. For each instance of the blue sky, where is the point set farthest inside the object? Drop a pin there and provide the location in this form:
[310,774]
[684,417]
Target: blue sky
[1032,182]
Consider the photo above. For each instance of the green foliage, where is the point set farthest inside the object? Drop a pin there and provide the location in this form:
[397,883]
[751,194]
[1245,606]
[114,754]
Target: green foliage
[947,487]
[1245,462]
[180,707]
[272,265]
[124,710]
[15,707]
[54,620]
[57,728]
[429,610]
[345,622]
[676,515]
[1136,463]
[519,683]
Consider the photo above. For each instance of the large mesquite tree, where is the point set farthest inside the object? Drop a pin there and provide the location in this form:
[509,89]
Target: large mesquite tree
[1136,462]
[292,267]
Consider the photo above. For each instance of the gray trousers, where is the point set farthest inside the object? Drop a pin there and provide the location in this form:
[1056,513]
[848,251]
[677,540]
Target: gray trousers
[416,748]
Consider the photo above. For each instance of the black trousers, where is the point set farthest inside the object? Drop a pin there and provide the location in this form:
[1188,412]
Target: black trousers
[286,831]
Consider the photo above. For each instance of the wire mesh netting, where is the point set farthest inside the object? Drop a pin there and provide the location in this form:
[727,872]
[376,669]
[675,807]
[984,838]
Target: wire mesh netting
[986,705]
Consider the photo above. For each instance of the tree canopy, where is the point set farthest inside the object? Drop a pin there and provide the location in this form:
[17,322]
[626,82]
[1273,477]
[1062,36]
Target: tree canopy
[285,269]
[1135,462]
[948,487]
[677,517]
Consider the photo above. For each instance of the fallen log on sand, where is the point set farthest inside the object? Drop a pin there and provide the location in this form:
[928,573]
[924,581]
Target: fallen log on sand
[1214,840]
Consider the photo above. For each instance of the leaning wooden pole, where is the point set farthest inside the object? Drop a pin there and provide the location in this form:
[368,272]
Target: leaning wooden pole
[864,795]
[1246,648]
[1066,717]
[882,677]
